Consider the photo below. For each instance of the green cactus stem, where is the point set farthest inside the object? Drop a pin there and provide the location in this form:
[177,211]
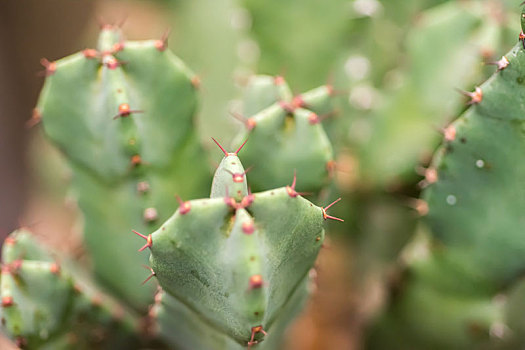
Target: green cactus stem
[236,264]
[51,305]
[122,115]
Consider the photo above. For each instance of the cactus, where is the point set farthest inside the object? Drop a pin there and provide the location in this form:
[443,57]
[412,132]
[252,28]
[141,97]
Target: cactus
[469,284]
[47,305]
[122,115]
[286,132]
[234,266]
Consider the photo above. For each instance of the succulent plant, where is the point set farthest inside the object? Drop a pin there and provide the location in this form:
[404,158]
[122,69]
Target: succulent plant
[468,284]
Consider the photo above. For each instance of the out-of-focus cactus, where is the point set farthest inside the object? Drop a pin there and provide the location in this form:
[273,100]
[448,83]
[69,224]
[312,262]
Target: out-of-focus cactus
[234,267]
[286,134]
[122,115]
[443,53]
[465,290]
[52,305]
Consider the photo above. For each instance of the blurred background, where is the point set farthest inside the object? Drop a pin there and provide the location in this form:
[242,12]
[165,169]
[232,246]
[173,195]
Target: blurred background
[395,64]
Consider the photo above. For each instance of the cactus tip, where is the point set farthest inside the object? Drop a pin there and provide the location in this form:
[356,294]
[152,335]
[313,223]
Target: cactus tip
[298,101]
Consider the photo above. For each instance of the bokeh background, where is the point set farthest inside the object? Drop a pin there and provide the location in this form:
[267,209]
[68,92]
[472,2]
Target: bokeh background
[396,65]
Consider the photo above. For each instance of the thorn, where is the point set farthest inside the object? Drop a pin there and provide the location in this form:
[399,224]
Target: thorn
[475,97]
[124,111]
[449,133]
[50,67]
[36,117]
[255,330]
[153,274]
[291,189]
[248,227]
[326,216]
[7,301]
[249,123]
[150,214]
[162,43]
[247,200]
[226,154]
[521,38]
[239,149]
[148,238]
[184,207]
[256,281]
[502,63]
[90,53]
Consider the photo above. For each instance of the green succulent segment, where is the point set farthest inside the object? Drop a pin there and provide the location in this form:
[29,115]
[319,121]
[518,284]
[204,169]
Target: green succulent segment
[443,53]
[122,115]
[287,135]
[45,305]
[475,213]
[262,91]
[235,267]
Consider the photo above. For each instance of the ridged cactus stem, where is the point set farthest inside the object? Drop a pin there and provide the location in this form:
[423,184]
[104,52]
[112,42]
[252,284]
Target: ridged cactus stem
[235,264]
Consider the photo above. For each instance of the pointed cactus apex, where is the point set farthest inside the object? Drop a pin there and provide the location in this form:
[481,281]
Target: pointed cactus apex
[247,200]
[279,80]
[196,82]
[298,101]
